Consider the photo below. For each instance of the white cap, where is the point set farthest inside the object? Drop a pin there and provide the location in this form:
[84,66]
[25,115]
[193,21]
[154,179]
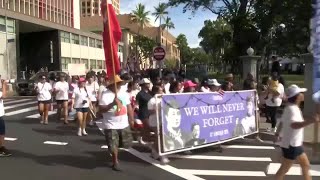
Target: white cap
[145,81]
[213,82]
[294,90]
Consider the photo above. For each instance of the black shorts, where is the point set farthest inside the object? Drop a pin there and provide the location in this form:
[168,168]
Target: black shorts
[61,101]
[83,110]
[292,152]
[44,102]
[2,127]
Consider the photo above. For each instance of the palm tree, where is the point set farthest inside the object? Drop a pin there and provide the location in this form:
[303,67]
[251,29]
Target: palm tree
[168,24]
[140,16]
[160,13]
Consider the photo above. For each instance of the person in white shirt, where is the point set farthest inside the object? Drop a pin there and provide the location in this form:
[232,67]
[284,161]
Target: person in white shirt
[117,115]
[81,98]
[291,127]
[3,151]
[92,87]
[61,90]
[273,102]
[44,89]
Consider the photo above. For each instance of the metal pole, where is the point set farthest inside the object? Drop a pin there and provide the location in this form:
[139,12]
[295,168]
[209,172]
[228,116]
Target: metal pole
[7,46]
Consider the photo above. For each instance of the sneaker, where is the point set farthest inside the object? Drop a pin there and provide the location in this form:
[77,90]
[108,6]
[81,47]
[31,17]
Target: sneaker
[116,167]
[4,152]
[84,132]
[154,154]
[259,139]
[164,160]
[141,141]
[274,130]
[79,132]
[268,129]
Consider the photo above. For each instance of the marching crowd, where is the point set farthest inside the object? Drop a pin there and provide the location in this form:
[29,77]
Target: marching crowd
[126,103]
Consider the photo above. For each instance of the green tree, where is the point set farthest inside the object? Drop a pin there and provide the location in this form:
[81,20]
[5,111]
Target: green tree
[145,46]
[185,51]
[160,12]
[140,16]
[168,24]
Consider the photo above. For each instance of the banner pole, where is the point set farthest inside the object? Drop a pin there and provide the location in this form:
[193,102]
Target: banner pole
[111,48]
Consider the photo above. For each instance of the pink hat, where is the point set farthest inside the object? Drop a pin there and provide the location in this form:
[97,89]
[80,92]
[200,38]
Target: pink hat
[82,80]
[189,84]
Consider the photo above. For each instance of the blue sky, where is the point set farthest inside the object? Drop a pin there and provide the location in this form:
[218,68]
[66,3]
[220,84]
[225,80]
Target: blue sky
[185,23]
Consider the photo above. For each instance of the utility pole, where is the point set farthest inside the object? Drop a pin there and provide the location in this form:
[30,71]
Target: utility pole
[7,46]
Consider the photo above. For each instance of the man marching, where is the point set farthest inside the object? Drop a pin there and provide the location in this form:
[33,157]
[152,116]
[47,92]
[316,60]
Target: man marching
[3,151]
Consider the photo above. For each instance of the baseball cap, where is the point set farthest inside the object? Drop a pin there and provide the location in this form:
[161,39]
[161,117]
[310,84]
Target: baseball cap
[213,82]
[189,84]
[294,90]
[145,81]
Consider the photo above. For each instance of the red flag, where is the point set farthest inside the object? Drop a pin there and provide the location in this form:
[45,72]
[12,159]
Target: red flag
[111,37]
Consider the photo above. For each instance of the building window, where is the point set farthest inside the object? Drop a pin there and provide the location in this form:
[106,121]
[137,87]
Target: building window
[92,42]
[75,61]
[64,62]
[84,41]
[83,4]
[2,24]
[95,11]
[85,61]
[98,44]
[65,37]
[10,26]
[99,64]
[75,39]
[89,4]
[96,4]
[93,64]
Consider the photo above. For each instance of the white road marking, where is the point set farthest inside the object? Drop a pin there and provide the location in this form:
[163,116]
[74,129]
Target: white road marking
[247,147]
[224,158]
[19,105]
[17,101]
[295,170]
[10,139]
[55,143]
[173,170]
[34,116]
[224,173]
[21,111]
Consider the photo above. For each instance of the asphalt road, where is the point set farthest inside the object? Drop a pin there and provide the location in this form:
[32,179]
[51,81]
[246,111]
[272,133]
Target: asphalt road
[68,156]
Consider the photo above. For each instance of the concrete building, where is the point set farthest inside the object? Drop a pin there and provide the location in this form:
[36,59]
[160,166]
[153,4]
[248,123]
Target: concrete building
[45,33]
[93,7]
[129,30]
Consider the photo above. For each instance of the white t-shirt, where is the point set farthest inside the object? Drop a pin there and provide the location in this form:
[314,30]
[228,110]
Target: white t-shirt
[1,105]
[110,119]
[167,88]
[102,88]
[44,93]
[80,95]
[93,89]
[290,136]
[152,105]
[203,89]
[277,99]
[62,89]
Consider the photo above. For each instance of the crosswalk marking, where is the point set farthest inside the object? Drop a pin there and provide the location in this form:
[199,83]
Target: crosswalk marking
[247,147]
[19,105]
[21,111]
[295,170]
[55,143]
[34,116]
[10,139]
[224,173]
[16,101]
[224,158]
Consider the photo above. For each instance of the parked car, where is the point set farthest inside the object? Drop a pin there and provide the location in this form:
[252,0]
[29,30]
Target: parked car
[27,87]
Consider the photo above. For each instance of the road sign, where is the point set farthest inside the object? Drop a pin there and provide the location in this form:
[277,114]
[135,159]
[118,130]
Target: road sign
[159,53]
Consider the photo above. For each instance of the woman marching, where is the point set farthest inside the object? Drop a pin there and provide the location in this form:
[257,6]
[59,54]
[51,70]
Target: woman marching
[61,89]
[44,89]
[81,104]
[291,127]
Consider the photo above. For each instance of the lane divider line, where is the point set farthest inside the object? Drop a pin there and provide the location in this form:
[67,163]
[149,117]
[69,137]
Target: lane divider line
[55,143]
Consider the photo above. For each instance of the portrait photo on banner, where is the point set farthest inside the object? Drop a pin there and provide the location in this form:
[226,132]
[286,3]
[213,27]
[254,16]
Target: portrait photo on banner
[192,120]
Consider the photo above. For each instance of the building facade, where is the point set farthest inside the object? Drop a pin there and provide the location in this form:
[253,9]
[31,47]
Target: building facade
[37,34]
[93,7]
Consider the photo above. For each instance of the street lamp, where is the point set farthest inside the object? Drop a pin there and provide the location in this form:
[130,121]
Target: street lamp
[250,51]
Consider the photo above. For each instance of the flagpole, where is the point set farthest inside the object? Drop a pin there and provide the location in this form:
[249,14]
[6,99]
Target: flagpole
[111,49]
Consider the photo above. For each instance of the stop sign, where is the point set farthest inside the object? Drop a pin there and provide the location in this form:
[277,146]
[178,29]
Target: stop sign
[159,53]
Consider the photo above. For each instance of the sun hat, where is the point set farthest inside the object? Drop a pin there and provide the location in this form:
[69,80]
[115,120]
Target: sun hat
[213,82]
[144,81]
[115,79]
[294,90]
[188,84]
